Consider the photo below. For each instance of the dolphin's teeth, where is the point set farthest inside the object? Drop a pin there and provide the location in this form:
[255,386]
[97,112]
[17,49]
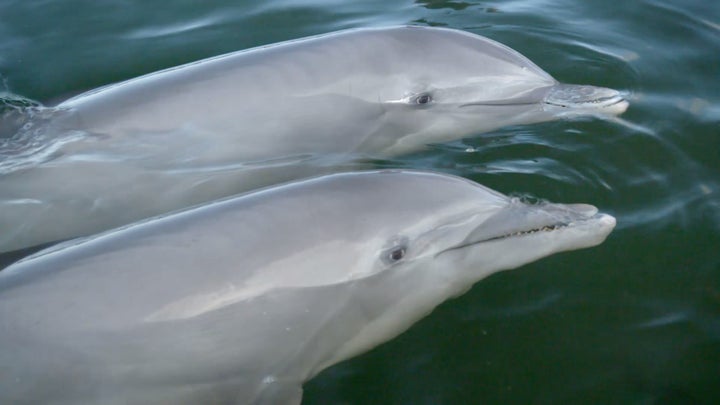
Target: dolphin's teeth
[546,228]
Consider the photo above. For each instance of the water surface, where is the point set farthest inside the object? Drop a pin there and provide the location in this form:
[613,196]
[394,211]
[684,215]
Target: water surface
[636,320]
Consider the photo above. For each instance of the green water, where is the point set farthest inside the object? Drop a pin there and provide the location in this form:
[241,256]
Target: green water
[635,320]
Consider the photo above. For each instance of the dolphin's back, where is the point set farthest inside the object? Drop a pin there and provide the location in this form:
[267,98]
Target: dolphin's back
[160,312]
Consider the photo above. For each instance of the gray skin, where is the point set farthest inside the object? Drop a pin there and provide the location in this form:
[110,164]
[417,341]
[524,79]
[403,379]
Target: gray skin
[232,123]
[243,300]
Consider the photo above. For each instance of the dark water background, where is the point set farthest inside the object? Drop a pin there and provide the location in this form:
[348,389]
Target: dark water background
[635,320]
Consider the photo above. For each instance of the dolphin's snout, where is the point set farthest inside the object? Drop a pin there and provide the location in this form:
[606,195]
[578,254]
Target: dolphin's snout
[519,217]
[561,214]
[586,97]
[583,210]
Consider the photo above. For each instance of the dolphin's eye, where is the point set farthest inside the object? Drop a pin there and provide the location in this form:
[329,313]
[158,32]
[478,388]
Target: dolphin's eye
[396,254]
[423,99]
[395,251]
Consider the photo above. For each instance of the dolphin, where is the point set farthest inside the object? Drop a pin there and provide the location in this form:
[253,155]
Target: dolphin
[242,300]
[232,123]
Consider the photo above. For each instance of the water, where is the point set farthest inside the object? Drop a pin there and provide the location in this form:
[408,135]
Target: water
[636,320]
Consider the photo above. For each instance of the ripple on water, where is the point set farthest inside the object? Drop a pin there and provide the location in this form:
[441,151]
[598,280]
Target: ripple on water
[24,138]
[174,28]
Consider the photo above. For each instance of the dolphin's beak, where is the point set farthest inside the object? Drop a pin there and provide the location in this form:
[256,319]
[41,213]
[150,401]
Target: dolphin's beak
[519,219]
[585,97]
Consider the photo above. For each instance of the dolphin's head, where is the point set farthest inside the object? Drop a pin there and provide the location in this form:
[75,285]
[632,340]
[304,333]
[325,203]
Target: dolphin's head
[429,237]
[430,221]
[440,84]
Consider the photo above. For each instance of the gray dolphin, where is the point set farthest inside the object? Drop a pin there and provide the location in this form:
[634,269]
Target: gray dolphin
[223,125]
[242,300]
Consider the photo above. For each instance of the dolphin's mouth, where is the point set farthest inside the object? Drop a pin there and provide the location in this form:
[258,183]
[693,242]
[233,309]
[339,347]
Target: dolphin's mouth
[521,233]
[546,228]
[533,97]
[521,220]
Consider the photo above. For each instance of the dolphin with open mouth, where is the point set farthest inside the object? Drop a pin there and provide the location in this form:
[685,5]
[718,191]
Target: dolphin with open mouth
[220,126]
[244,299]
